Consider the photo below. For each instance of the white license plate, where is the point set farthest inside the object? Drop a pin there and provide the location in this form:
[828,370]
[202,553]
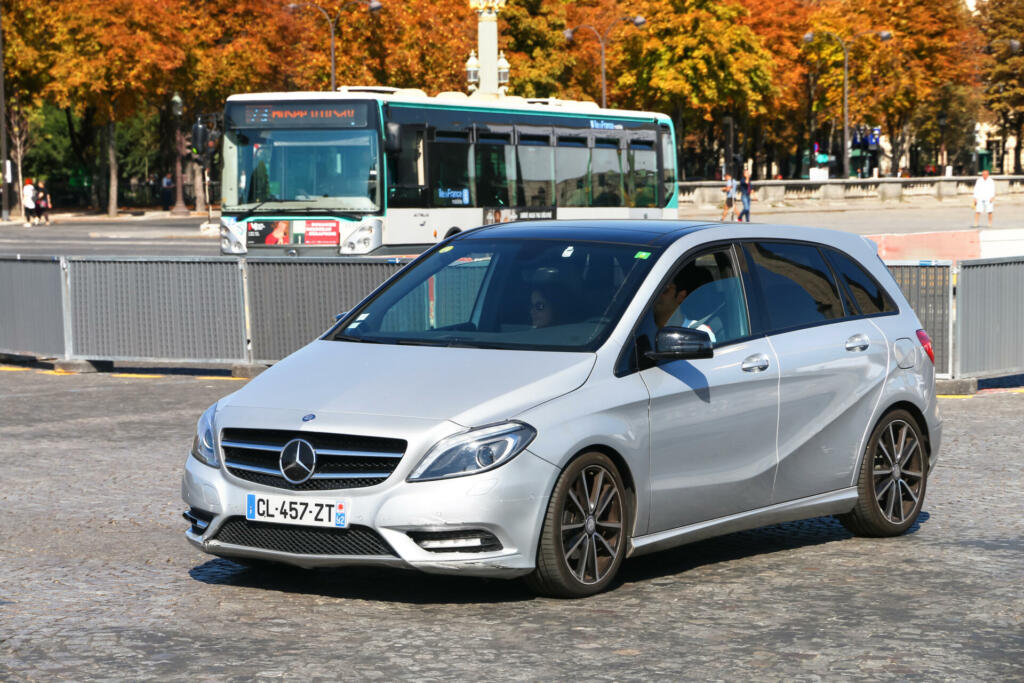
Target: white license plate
[260,507]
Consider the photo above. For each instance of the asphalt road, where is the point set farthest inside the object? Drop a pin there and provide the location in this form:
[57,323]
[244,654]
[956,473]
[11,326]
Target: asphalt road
[97,581]
[160,235]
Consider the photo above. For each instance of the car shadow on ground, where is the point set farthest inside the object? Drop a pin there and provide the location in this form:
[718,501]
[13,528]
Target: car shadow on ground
[742,544]
[382,584]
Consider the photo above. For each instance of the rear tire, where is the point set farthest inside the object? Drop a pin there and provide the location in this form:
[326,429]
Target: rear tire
[583,540]
[893,478]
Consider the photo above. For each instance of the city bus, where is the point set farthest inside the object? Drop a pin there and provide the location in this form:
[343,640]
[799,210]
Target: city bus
[386,171]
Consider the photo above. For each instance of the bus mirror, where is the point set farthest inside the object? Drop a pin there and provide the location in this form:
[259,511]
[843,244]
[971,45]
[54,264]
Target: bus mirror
[392,138]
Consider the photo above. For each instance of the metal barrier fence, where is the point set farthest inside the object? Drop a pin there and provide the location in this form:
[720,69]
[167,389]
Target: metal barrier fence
[928,286]
[990,317]
[32,306]
[258,311]
[291,302]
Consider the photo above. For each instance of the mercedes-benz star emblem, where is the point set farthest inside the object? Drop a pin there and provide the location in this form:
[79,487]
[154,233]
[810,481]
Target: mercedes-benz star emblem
[298,460]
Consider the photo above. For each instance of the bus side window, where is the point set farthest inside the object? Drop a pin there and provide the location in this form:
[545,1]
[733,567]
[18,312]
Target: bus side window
[407,176]
[449,161]
[495,169]
[535,160]
[643,174]
[572,172]
[606,163]
[668,169]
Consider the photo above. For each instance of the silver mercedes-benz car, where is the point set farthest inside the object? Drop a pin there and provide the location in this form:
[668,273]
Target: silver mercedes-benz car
[546,399]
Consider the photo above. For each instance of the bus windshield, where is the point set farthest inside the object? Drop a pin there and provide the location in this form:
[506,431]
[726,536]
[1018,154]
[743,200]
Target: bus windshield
[287,169]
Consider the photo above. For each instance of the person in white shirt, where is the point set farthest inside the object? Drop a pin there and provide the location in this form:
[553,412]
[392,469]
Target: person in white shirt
[984,197]
[28,201]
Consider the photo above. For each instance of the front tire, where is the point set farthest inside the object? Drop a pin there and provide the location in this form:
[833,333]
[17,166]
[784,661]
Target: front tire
[893,478]
[583,540]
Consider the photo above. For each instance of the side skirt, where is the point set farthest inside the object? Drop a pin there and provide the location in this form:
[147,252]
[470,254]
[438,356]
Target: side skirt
[831,503]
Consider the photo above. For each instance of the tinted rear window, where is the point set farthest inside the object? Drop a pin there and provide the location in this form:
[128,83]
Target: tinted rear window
[868,295]
[796,285]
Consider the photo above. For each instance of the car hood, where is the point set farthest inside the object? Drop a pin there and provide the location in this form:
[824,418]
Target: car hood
[466,386]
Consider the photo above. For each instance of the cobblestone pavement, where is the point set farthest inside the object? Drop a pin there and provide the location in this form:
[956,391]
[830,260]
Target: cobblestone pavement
[97,581]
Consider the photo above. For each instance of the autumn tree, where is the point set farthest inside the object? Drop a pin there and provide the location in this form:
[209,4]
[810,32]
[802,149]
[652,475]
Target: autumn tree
[697,61]
[109,55]
[778,131]
[933,43]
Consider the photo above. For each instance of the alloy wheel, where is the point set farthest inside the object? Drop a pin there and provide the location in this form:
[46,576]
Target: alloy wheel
[898,471]
[591,524]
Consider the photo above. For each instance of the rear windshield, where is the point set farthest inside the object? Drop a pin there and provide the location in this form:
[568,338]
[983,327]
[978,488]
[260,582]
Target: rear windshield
[557,295]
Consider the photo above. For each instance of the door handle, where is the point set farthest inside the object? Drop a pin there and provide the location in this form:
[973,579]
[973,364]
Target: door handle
[756,363]
[858,342]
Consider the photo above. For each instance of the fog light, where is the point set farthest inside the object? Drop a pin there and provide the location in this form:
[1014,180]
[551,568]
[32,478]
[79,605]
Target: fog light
[464,541]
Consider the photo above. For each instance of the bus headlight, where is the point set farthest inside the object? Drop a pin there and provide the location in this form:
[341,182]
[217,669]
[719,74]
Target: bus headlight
[368,235]
[232,236]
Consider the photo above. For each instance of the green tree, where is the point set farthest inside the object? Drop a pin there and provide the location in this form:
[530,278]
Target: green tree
[1002,27]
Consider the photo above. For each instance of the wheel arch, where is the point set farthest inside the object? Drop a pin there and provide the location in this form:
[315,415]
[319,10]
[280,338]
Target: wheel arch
[915,412]
[625,472]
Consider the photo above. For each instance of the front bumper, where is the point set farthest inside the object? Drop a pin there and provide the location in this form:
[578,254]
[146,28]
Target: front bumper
[508,502]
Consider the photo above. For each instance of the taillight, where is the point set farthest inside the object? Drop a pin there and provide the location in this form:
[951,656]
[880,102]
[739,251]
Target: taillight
[926,343]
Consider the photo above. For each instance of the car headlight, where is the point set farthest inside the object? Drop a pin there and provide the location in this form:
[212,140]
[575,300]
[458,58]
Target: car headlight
[203,448]
[477,450]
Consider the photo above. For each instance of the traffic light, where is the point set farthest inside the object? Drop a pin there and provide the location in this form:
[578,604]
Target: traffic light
[200,137]
[212,146]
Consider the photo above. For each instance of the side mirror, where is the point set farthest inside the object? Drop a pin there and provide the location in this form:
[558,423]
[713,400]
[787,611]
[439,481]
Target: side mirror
[674,343]
[340,316]
[392,138]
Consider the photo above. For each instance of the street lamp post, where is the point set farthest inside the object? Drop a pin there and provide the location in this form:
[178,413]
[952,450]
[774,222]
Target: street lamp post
[178,108]
[373,6]
[808,37]
[637,21]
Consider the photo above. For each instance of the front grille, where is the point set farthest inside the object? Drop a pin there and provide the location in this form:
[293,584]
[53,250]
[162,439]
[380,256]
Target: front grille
[343,461]
[303,540]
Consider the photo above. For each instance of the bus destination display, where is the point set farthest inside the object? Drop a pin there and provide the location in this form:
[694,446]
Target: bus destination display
[299,115]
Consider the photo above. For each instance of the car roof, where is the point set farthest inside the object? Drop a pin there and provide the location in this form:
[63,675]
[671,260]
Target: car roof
[634,232]
[661,233]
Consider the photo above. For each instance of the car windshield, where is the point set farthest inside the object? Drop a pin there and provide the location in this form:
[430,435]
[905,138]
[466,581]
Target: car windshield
[553,295]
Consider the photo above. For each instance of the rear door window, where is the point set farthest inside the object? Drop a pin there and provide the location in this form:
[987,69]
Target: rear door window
[795,284]
[869,297]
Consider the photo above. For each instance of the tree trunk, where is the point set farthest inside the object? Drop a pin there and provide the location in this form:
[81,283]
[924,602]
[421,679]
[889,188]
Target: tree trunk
[198,190]
[112,164]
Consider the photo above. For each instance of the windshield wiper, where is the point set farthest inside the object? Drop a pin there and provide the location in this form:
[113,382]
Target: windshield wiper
[348,337]
[440,341]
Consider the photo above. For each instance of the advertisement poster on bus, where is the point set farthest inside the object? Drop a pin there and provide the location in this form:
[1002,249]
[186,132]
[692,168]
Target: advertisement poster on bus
[321,232]
[505,214]
[268,232]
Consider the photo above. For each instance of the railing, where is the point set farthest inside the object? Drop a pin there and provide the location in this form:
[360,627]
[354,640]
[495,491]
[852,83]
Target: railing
[228,310]
[709,193]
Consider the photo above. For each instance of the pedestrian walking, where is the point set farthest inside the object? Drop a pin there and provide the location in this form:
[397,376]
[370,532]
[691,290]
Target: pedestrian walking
[746,191]
[166,185]
[43,202]
[984,197]
[28,202]
[730,195]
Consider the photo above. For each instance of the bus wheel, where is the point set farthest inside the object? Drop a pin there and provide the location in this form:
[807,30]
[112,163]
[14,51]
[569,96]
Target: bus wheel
[452,231]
